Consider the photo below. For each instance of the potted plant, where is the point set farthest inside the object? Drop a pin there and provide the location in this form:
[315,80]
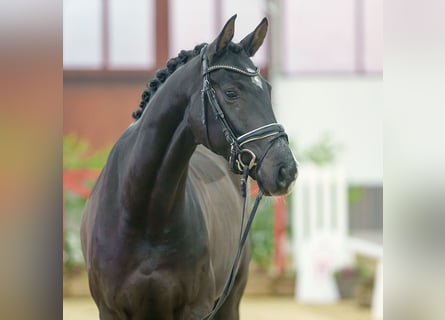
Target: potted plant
[346,279]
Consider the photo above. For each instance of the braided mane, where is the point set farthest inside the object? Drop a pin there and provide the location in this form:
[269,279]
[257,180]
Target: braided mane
[161,75]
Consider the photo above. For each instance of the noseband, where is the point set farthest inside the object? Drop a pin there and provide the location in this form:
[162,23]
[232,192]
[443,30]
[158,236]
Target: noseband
[237,149]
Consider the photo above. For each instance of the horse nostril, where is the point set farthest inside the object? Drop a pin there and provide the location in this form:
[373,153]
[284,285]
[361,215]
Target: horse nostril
[283,176]
[286,175]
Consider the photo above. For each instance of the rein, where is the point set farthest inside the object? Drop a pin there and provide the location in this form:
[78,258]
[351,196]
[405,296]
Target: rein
[243,237]
[237,165]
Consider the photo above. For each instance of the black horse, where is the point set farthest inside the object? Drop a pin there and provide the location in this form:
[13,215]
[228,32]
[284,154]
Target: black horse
[161,227]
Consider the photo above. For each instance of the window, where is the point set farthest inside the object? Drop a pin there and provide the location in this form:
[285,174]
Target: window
[82,34]
[109,34]
[132,34]
[191,22]
[341,36]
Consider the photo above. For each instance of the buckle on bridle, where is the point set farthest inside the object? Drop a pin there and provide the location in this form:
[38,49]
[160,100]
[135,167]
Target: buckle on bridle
[240,163]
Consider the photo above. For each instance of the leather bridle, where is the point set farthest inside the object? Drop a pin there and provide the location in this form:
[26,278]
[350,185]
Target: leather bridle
[238,148]
[236,143]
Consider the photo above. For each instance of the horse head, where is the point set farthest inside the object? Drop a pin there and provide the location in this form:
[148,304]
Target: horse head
[234,116]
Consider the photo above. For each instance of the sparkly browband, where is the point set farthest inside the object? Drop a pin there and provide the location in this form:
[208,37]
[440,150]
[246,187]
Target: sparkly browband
[232,68]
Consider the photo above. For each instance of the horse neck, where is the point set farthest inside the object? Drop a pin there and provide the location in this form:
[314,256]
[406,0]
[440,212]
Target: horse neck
[156,174]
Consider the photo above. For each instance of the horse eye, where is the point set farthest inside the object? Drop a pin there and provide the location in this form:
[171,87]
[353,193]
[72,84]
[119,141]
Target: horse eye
[231,94]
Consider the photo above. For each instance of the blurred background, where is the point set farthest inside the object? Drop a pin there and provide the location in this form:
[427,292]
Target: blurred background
[317,253]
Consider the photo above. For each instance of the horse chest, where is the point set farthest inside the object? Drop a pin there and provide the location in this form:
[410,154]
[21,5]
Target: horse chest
[168,280]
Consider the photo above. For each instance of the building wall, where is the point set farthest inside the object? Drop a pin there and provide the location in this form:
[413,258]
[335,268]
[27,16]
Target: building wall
[99,111]
[348,108]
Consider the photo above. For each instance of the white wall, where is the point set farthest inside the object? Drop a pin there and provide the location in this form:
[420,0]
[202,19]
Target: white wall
[350,108]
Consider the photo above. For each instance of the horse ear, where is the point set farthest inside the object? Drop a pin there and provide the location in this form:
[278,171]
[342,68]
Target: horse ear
[253,41]
[226,34]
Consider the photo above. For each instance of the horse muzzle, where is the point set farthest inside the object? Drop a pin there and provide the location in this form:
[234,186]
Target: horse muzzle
[279,170]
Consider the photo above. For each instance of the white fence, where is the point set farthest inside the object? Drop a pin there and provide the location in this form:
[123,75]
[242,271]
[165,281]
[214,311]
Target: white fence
[320,228]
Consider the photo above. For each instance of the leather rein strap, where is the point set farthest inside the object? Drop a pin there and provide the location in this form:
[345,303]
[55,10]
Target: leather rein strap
[236,162]
[242,240]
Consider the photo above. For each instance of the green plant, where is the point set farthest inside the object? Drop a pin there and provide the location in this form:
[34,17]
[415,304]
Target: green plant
[355,194]
[73,213]
[345,272]
[323,151]
[77,154]
[262,234]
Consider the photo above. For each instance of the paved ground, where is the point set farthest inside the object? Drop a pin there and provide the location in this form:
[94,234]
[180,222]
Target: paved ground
[276,308]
